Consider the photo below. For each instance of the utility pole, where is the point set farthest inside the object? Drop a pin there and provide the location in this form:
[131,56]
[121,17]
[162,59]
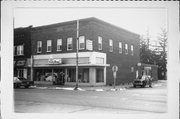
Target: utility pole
[77,48]
[31,67]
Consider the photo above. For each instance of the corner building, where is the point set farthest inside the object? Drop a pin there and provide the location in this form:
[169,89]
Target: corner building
[101,45]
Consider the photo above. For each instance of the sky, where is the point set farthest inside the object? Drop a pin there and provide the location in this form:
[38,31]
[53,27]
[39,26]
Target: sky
[137,20]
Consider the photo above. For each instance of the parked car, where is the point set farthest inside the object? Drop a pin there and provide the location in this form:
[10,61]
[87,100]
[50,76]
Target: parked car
[21,81]
[143,81]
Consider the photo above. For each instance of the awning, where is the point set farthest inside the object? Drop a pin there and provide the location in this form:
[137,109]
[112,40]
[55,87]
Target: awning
[73,65]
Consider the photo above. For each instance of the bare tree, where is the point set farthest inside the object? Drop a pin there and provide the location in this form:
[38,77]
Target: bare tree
[162,40]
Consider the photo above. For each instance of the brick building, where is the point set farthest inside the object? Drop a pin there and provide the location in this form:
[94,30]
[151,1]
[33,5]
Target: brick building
[22,52]
[101,45]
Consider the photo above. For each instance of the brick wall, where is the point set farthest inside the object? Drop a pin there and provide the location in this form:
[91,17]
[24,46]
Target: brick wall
[124,62]
[91,29]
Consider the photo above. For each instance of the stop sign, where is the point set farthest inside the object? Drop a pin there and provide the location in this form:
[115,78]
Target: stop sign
[115,68]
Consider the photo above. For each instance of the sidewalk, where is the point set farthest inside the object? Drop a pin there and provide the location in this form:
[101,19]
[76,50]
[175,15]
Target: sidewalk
[91,88]
[49,85]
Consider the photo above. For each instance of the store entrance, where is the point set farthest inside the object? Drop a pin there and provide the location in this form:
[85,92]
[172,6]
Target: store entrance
[59,77]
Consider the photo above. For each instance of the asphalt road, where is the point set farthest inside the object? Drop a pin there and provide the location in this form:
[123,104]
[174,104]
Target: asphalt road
[133,100]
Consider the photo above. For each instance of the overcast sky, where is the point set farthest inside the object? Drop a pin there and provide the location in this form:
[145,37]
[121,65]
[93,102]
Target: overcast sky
[137,20]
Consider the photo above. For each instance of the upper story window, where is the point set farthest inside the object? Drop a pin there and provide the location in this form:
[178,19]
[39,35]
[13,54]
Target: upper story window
[110,45]
[82,42]
[99,43]
[59,44]
[126,49]
[120,47]
[69,43]
[15,50]
[49,45]
[132,50]
[39,46]
[20,50]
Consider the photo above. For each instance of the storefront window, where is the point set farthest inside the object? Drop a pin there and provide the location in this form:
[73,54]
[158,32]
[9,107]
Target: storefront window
[99,75]
[49,75]
[71,76]
[83,75]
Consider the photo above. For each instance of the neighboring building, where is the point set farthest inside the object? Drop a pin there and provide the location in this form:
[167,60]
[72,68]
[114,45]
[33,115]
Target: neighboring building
[22,52]
[101,45]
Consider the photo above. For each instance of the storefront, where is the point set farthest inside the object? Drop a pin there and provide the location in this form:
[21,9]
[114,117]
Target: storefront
[91,65]
[22,68]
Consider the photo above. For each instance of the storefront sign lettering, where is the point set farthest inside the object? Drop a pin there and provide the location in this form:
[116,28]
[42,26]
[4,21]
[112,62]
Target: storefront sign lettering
[55,61]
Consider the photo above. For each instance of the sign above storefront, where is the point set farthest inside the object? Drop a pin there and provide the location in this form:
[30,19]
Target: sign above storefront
[20,63]
[54,61]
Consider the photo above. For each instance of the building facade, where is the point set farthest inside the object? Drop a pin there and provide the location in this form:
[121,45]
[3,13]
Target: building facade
[101,46]
[22,52]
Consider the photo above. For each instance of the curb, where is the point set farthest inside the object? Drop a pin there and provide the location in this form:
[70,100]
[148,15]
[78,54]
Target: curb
[80,89]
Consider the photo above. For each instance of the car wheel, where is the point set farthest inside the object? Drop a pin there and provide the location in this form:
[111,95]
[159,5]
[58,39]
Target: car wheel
[144,84]
[134,86]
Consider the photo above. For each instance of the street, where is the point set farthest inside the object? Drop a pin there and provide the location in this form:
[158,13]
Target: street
[131,100]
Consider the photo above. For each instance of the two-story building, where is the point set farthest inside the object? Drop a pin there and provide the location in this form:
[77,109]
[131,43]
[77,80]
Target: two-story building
[22,52]
[101,45]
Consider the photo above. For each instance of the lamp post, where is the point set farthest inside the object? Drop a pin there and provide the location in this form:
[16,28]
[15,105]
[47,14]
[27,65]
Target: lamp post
[77,47]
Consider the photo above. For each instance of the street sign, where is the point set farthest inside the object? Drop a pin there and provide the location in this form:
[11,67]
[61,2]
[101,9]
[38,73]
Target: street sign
[139,64]
[115,68]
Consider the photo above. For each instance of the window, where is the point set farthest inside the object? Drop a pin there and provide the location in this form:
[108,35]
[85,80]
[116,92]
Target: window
[15,50]
[20,72]
[59,44]
[126,49]
[83,75]
[49,45]
[120,47]
[99,75]
[39,46]
[82,42]
[132,50]
[99,43]
[20,50]
[69,44]
[110,45]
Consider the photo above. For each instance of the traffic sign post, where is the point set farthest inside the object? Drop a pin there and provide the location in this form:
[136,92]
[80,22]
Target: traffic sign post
[114,69]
